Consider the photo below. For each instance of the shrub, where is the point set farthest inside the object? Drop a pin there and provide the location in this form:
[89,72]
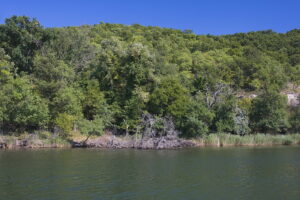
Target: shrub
[65,123]
[91,127]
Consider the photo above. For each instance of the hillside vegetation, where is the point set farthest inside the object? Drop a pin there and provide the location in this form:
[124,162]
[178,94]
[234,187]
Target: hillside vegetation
[107,77]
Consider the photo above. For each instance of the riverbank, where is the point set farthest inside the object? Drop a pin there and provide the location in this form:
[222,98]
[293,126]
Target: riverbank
[41,140]
[46,140]
[223,140]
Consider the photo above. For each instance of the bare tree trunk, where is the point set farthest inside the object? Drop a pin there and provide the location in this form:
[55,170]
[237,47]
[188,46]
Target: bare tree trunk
[84,142]
[127,132]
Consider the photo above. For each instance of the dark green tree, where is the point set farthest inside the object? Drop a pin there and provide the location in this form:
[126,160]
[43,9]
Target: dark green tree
[21,37]
[269,113]
[21,107]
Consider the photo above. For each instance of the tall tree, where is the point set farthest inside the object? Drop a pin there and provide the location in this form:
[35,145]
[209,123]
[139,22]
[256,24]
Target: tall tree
[21,37]
[269,113]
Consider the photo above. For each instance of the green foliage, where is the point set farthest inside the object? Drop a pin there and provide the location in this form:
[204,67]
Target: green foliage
[51,74]
[198,118]
[241,122]
[65,122]
[5,67]
[67,100]
[21,107]
[21,37]
[91,127]
[158,124]
[107,76]
[295,119]
[169,98]
[133,110]
[225,113]
[93,102]
[213,66]
[194,127]
[269,113]
[245,104]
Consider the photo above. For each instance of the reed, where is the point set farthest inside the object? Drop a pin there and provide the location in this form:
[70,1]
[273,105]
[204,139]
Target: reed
[223,139]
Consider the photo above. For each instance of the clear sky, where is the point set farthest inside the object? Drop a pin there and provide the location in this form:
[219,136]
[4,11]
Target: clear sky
[202,16]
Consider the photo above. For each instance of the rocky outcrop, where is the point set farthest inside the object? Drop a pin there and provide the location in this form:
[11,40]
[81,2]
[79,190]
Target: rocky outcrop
[156,133]
[293,98]
[109,141]
[105,141]
[164,142]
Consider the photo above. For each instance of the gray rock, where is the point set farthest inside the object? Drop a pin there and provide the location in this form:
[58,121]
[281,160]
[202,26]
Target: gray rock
[163,142]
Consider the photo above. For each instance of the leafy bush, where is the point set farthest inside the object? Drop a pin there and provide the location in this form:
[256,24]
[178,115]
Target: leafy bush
[91,127]
[269,113]
[21,107]
[65,123]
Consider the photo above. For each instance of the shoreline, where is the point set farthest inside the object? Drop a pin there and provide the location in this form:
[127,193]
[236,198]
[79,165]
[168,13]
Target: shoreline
[132,142]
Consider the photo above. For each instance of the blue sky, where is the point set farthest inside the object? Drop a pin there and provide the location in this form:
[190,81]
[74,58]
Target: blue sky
[203,17]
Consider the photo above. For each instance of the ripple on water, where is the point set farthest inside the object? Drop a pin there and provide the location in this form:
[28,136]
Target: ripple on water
[229,173]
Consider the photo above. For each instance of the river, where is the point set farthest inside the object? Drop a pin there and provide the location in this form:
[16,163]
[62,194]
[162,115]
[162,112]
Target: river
[197,173]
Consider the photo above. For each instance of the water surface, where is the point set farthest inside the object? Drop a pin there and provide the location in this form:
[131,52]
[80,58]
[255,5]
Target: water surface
[209,173]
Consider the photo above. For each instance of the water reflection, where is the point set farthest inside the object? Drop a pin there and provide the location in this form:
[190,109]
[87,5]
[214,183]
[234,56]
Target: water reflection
[226,173]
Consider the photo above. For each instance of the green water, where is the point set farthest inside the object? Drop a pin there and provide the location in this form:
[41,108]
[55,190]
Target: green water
[224,173]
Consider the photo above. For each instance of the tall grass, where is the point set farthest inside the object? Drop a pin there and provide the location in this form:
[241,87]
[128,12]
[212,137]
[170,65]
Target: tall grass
[48,140]
[42,139]
[222,139]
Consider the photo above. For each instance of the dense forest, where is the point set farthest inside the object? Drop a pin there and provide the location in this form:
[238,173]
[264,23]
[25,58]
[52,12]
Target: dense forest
[107,77]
